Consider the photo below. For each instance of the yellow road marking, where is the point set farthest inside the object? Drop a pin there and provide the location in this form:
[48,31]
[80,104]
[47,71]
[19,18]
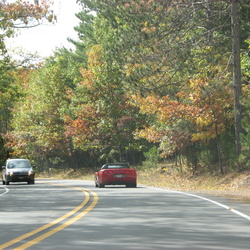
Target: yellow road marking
[61,227]
[30,243]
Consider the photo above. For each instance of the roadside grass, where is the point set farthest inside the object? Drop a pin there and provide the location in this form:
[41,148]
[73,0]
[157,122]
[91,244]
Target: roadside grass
[81,174]
[168,178]
[186,181]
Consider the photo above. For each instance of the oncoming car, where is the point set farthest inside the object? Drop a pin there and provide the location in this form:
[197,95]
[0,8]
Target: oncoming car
[18,170]
[115,174]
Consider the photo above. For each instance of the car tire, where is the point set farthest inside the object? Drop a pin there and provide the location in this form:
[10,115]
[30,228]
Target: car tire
[7,182]
[101,185]
[3,182]
[132,185]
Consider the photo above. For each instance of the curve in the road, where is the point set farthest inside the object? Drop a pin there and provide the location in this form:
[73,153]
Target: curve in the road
[212,201]
[57,221]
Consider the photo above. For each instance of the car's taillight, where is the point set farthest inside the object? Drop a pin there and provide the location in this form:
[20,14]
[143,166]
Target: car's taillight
[130,172]
[108,172]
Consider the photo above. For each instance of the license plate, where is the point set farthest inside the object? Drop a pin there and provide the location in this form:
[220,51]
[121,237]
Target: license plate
[119,175]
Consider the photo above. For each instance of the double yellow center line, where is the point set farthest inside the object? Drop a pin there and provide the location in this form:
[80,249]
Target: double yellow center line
[57,221]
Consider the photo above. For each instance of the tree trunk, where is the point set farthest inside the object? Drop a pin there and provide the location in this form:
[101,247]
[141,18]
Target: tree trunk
[236,74]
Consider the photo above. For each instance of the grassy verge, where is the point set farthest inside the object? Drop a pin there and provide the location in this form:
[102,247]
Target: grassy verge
[187,182]
[235,186]
[171,180]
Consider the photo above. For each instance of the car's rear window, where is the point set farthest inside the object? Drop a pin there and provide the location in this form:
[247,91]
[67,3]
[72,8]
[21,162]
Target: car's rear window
[19,164]
[115,166]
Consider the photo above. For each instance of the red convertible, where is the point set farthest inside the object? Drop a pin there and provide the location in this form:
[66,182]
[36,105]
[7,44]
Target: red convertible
[115,174]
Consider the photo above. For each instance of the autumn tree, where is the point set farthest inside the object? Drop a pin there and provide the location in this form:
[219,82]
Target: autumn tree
[245,136]
[160,46]
[201,113]
[21,14]
[152,72]
[101,117]
[38,117]
[13,16]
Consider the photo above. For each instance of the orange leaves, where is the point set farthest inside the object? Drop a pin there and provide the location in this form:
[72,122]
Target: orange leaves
[95,56]
[201,111]
[88,78]
[84,126]
[150,134]
[26,13]
[214,101]
[246,91]
[23,10]
[166,110]
[148,28]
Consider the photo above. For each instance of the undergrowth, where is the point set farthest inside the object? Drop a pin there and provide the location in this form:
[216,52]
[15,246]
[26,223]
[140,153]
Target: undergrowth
[158,177]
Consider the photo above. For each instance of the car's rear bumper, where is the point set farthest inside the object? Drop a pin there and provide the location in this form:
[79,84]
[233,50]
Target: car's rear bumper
[119,181]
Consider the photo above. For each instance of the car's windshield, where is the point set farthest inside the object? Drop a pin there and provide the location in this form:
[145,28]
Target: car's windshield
[19,164]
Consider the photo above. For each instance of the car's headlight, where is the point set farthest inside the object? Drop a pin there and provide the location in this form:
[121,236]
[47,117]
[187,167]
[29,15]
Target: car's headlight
[31,172]
[10,173]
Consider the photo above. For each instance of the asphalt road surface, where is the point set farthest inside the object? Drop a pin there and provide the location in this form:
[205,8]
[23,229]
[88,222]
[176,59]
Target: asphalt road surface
[68,214]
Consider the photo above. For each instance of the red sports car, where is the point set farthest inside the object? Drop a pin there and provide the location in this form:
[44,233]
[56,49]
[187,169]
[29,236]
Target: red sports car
[115,174]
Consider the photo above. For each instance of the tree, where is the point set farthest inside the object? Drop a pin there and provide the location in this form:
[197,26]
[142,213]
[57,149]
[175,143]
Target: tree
[13,16]
[101,115]
[38,116]
[21,14]
[152,69]
[236,74]
[160,46]
[245,136]
[8,95]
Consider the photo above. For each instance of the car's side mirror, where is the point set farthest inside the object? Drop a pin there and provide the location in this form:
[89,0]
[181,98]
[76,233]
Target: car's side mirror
[3,167]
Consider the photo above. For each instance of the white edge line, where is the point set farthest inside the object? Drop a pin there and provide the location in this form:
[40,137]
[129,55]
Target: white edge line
[6,191]
[209,200]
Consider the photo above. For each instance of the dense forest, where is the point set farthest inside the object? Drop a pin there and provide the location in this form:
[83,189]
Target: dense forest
[148,81]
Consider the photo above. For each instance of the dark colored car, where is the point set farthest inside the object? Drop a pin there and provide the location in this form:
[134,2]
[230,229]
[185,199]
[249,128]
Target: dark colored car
[115,174]
[18,170]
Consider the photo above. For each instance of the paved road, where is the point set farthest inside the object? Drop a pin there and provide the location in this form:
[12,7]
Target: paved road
[67,214]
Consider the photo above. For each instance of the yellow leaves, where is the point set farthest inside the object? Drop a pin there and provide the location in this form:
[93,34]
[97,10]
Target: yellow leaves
[130,68]
[95,62]
[246,91]
[148,28]
[51,17]
[203,121]
[203,136]
[164,109]
[148,133]
[204,107]
[95,56]
[148,105]
[88,76]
